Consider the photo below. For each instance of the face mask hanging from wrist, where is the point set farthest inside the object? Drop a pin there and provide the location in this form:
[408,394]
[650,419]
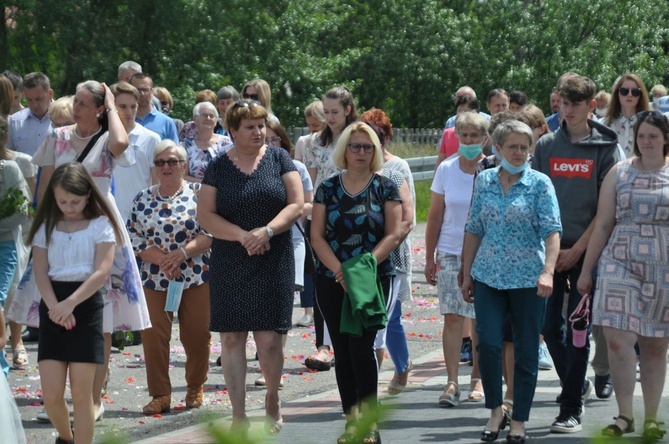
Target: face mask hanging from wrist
[174,291]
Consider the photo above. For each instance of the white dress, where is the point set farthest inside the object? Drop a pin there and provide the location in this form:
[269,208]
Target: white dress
[125,296]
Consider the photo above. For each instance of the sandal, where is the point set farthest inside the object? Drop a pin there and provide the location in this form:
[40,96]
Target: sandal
[159,404]
[652,431]
[476,391]
[507,408]
[273,426]
[372,437]
[448,399]
[615,430]
[19,358]
[396,387]
[349,436]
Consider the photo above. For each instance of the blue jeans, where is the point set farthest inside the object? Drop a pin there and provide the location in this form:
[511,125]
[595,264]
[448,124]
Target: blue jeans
[571,363]
[8,261]
[307,295]
[396,339]
[526,311]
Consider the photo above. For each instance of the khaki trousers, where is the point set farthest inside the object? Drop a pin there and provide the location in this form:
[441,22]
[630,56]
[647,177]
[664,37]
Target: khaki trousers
[193,333]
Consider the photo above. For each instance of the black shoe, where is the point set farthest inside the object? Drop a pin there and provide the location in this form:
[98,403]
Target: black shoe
[466,350]
[490,435]
[516,439]
[603,386]
[30,335]
[315,364]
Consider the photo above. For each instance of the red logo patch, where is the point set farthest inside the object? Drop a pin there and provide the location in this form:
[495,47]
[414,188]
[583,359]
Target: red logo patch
[571,167]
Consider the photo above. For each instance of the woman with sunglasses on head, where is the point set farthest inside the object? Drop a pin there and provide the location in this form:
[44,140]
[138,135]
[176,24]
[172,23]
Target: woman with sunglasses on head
[628,98]
[629,245]
[204,145]
[356,224]
[174,252]
[339,111]
[250,198]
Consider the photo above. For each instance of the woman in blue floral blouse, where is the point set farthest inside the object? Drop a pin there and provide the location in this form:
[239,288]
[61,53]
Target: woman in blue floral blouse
[512,243]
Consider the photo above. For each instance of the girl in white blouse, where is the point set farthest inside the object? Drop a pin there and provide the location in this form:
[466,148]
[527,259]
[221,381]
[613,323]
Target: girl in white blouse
[73,237]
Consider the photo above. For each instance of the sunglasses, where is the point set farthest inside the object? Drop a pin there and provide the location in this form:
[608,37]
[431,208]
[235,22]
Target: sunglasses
[356,147]
[250,96]
[654,114]
[245,104]
[172,162]
[636,92]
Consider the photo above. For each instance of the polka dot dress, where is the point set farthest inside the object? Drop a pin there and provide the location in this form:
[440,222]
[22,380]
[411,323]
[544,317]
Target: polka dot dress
[251,293]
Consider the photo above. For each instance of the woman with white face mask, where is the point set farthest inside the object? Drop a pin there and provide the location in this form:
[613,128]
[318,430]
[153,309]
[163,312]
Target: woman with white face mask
[449,205]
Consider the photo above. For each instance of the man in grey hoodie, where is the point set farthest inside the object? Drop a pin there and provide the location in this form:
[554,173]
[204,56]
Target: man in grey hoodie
[576,158]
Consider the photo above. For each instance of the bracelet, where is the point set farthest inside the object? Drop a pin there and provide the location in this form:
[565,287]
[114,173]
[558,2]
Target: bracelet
[112,110]
[183,250]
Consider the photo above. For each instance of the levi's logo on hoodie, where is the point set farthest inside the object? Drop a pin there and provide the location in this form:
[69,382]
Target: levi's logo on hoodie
[571,167]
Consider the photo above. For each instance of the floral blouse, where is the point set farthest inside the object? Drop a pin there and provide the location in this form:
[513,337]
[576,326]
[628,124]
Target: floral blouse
[512,227]
[167,224]
[320,157]
[198,159]
[624,127]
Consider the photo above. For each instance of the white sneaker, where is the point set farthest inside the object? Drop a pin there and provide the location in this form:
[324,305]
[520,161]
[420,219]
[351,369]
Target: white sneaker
[306,321]
[545,362]
[42,416]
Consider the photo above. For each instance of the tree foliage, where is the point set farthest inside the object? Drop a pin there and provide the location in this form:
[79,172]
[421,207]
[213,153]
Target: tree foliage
[405,56]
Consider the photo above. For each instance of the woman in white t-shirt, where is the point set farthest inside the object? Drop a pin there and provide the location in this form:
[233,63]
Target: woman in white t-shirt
[73,237]
[451,196]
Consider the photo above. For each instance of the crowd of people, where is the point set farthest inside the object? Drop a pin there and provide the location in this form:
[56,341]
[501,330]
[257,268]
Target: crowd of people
[117,218]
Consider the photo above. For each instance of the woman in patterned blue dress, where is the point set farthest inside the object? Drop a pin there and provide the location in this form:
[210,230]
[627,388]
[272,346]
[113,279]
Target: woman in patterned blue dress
[250,198]
[631,297]
[356,212]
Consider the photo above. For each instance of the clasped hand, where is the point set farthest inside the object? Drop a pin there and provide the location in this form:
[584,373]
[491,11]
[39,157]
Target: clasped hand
[61,314]
[256,241]
[170,264]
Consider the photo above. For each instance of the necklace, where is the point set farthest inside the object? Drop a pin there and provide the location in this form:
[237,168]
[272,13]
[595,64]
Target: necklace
[170,197]
[76,229]
[82,137]
[234,156]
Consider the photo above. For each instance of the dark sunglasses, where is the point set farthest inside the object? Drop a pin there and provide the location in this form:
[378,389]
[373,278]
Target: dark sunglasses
[245,104]
[250,96]
[636,92]
[355,147]
[172,162]
[655,114]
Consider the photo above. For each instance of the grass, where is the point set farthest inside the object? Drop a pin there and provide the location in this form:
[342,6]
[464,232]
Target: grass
[423,194]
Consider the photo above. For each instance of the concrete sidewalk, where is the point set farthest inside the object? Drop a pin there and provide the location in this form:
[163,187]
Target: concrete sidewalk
[415,416]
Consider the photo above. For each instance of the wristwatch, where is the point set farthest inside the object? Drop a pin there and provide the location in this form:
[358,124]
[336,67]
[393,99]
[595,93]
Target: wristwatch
[270,232]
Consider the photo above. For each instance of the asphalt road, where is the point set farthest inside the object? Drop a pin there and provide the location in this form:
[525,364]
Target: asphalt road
[123,418]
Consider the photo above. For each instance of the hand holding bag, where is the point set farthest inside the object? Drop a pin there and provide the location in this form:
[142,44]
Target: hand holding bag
[580,320]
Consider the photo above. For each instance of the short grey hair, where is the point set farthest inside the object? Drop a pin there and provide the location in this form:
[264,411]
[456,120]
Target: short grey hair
[511,127]
[167,144]
[227,92]
[204,105]
[129,66]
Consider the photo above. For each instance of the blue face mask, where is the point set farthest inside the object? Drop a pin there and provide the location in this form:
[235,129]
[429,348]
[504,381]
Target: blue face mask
[470,152]
[174,291]
[513,169]
[497,155]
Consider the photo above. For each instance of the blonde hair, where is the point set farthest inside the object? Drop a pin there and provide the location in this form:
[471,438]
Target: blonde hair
[339,153]
[61,109]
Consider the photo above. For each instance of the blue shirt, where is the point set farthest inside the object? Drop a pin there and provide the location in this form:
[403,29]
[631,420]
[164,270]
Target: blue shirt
[159,123]
[512,227]
[553,122]
[27,132]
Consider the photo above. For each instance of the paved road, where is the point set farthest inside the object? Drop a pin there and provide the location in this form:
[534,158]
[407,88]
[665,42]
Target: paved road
[310,402]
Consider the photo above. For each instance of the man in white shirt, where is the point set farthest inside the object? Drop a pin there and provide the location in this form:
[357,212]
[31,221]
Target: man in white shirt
[29,127]
[130,180]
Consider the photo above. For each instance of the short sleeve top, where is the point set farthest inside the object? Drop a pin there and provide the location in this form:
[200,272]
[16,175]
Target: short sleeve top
[320,157]
[198,158]
[355,224]
[167,224]
[72,255]
[513,227]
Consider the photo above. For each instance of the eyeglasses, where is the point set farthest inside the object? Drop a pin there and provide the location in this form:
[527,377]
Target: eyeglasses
[636,92]
[208,116]
[469,135]
[355,147]
[524,149]
[164,103]
[171,162]
[274,141]
[144,90]
[250,96]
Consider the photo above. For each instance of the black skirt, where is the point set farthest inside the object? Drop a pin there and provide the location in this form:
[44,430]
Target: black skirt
[85,342]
